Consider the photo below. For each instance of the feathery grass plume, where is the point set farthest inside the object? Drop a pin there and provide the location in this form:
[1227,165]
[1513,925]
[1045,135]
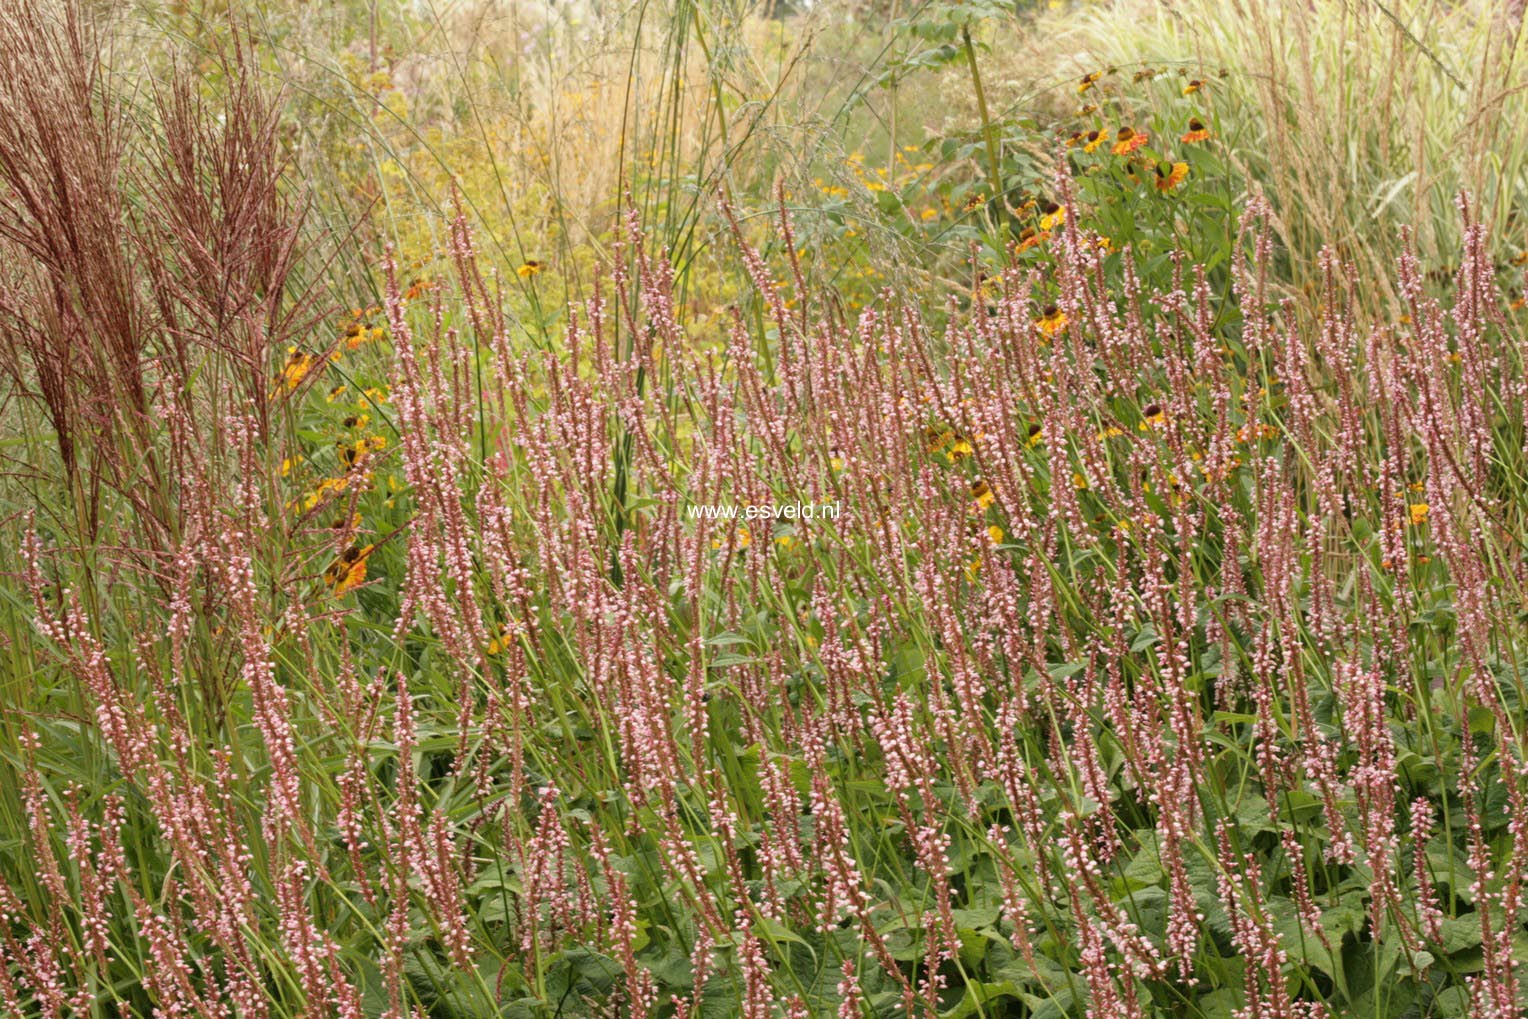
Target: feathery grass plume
[154,254]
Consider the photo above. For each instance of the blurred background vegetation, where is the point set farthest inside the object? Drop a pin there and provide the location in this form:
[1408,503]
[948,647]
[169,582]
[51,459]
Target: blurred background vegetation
[904,137]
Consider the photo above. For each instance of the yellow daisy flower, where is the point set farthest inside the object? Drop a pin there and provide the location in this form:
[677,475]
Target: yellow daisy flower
[744,539]
[298,364]
[1051,321]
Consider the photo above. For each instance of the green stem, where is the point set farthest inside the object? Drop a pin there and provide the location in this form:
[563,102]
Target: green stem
[989,131]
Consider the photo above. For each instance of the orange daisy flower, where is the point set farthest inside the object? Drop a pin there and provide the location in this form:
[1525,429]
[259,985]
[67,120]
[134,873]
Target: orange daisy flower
[1196,132]
[348,572]
[1127,140]
[1172,177]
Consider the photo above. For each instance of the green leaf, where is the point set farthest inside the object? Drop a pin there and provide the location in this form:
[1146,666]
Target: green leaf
[979,996]
[973,946]
[1460,933]
[1303,946]
[1058,1006]
[1145,867]
[1218,1004]
[775,931]
[1452,1002]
